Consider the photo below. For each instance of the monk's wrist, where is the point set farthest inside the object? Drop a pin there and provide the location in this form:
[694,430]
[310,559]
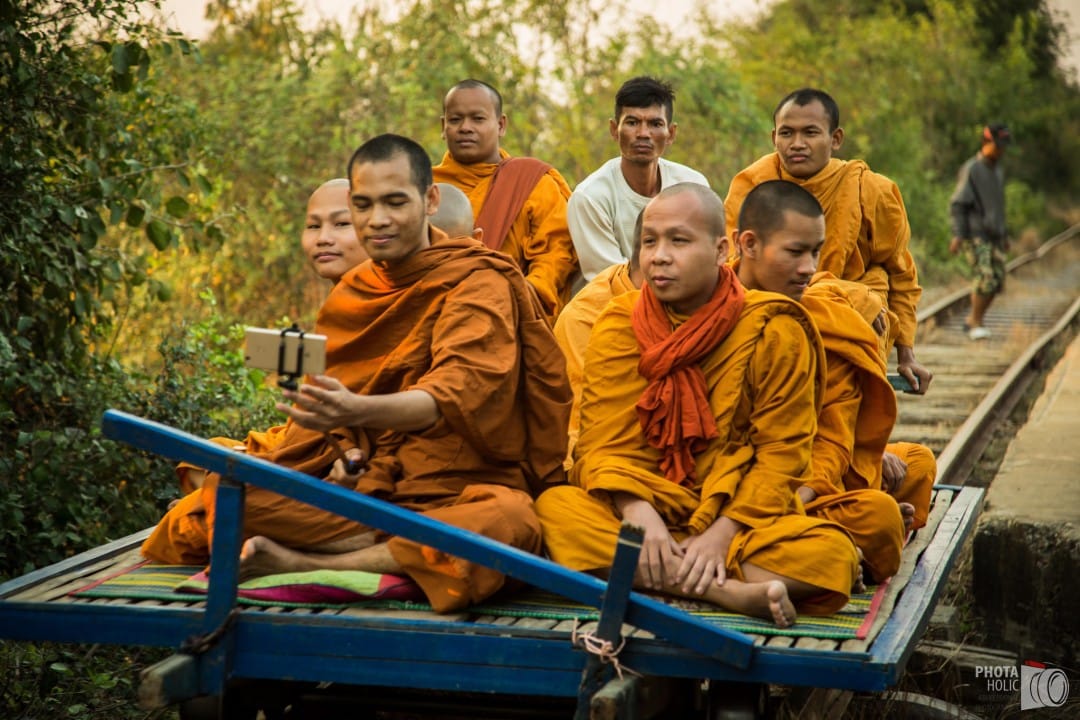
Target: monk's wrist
[905,354]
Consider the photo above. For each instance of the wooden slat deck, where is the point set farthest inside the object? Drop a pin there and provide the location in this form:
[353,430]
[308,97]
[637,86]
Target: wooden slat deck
[57,588]
[365,646]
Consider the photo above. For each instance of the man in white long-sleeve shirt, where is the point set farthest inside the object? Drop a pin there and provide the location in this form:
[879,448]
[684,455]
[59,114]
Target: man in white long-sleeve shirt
[604,207]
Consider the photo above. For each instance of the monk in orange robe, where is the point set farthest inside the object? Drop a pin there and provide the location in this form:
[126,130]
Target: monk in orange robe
[442,377]
[867,231]
[698,414]
[575,324]
[781,231]
[519,203]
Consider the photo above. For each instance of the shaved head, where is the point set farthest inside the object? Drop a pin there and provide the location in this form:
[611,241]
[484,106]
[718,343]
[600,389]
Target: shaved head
[455,214]
[763,209]
[711,204]
[472,84]
[336,182]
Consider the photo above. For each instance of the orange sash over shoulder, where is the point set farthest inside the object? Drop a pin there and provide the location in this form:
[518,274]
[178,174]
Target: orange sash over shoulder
[513,182]
[842,312]
[537,237]
[674,409]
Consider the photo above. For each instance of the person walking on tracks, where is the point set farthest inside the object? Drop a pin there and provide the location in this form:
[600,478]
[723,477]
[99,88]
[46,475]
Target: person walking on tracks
[977,208]
[443,379]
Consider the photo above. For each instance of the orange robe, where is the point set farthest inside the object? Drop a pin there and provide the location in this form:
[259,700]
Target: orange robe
[539,239]
[257,441]
[459,322]
[857,414]
[762,383]
[575,323]
[866,232]
[918,483]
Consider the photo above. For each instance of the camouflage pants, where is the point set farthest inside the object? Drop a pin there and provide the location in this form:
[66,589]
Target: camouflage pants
[988,266]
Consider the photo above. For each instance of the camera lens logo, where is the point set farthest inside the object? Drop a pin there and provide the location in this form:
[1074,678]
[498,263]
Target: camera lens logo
[1041,686]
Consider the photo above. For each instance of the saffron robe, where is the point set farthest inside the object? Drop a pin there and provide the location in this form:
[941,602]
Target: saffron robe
[573,327]
[918,483]
[762,382]
[539,239]
[459,322]
[857,415]
[866,232]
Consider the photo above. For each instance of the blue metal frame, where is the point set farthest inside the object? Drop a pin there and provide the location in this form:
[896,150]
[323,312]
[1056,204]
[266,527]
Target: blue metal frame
[643,612]
[453,655]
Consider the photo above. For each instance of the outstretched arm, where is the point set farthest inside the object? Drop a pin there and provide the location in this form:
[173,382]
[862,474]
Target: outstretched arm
[890,249]
[327,404]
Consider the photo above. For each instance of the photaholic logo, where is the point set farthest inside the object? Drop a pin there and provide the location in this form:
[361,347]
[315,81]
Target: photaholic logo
[1041,686]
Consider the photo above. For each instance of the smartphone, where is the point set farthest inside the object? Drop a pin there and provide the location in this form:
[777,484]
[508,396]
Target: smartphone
[285,352]
[901,383]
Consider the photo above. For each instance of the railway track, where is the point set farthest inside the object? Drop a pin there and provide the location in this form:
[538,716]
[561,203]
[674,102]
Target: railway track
[976,387]
[978,383]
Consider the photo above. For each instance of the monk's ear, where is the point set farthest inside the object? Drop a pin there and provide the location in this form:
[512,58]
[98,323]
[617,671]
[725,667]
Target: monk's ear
[747,241]
[502,125]
[442,124]
[837,138]
[722,250]
[478,234]
[431,199]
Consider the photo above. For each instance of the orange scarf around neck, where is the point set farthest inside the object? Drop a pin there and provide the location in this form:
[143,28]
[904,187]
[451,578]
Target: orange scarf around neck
[674,409]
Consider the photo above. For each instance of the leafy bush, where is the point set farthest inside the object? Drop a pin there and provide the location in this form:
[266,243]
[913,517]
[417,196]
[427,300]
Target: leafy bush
[43,681]
[65,488]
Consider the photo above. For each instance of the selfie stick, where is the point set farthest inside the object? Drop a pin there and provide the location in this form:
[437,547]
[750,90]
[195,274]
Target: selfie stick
[287,380]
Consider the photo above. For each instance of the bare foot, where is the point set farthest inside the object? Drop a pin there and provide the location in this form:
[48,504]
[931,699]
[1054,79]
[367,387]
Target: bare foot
[780,606]
[262,556]
[859,586]
[768,599]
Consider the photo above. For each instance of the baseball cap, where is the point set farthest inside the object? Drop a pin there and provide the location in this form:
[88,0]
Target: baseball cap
[997,133]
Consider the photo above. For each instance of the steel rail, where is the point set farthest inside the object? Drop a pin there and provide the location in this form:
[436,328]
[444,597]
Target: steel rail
[968,443]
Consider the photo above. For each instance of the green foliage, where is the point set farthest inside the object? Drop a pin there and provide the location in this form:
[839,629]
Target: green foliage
[82,150]
[64,488]
[50,681]
[1027,210]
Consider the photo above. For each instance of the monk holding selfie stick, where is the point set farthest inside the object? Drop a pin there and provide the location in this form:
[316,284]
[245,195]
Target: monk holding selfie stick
[442,376]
